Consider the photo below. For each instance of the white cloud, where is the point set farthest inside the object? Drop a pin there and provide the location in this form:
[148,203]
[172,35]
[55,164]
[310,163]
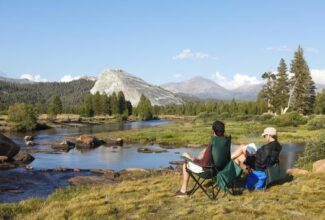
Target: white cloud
[188,54]
[69,78]
[34,78]
[281,48]
[236,81]
[318,75]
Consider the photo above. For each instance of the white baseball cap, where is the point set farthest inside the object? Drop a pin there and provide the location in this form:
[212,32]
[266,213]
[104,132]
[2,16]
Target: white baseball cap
[269,131]
[251,148]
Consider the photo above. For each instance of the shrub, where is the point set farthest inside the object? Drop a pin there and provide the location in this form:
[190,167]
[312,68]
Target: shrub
[265,117]
[317,122]
[23,115]
[314,150]
[288,119]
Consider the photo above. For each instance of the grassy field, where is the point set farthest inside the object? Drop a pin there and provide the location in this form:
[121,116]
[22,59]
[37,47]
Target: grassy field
[152,197]
[181,133]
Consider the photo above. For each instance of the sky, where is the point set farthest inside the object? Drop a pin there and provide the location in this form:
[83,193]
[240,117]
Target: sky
[231,42]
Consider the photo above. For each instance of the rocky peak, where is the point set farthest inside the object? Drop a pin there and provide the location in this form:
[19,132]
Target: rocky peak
[115,80]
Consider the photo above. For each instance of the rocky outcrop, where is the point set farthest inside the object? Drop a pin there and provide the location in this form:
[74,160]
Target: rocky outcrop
[133,87]
[88,142]
[8,148]
[319,166]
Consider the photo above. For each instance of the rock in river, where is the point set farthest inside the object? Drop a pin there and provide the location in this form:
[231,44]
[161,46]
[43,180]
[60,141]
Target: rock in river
[88,142]
[8,148]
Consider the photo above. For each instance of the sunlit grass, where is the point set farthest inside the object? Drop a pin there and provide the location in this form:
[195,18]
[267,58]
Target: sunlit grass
[182,133]
[152,197]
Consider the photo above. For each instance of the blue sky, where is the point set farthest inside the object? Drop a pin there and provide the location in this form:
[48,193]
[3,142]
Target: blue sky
[232,42]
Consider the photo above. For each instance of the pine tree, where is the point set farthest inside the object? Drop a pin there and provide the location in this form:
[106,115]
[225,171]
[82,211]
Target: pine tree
[87,107]
[55,106]
[105,104]
[267,92]
[97,104]
[144,108]
[113,103]
[121,104]
[304,88]
[320,103]
[281,87]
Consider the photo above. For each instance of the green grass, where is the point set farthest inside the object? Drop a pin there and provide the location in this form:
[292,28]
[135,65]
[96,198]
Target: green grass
[181,133]
[152,197]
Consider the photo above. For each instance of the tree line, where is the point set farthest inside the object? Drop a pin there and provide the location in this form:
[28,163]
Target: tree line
[296,93]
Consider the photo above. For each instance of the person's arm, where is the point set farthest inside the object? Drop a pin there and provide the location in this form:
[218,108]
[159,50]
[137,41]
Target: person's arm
[188,156]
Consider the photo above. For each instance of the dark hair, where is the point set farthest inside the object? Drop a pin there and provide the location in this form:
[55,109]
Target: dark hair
[218,127]
[275,137]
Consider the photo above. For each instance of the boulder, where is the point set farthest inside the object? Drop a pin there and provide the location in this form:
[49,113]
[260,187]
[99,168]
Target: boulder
[319,166]
[296,171]
[88,142]
[64,146]
[23,159]
[28,138]
[8,148]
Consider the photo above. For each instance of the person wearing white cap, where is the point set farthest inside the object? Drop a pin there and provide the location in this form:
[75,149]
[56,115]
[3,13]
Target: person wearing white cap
[242,153]
[265,156]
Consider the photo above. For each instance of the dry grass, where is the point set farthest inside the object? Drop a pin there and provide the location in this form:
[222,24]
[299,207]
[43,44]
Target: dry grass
[148,198]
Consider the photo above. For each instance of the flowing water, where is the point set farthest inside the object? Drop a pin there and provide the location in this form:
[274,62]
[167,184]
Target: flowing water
[115,158]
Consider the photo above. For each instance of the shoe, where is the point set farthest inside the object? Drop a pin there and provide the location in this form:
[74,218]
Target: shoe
[180,194]
[208,184]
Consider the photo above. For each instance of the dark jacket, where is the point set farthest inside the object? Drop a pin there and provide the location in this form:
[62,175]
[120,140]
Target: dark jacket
[267,155]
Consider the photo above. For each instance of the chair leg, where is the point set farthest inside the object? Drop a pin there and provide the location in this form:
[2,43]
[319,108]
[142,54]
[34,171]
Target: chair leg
[199,185]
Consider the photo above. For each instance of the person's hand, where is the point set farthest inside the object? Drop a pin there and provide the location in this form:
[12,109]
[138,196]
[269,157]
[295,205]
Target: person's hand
[185,154]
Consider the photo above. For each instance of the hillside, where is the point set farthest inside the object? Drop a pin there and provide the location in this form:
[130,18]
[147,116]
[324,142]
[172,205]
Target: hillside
[71,93]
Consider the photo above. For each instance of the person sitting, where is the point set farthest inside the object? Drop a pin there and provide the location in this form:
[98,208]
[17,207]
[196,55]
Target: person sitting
[265,157]
[196,164]
[243,156]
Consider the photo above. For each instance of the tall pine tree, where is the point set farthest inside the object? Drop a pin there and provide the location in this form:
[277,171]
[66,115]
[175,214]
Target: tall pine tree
[55,106]
[267,92]
[304,88]
[281,88]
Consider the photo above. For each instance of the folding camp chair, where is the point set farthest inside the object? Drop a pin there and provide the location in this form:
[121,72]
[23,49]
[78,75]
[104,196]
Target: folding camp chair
[220,153]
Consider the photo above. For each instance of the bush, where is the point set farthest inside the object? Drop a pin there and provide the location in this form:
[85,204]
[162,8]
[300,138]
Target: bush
[314,150]
[288,119]
[265,117]
[244,117]
[317,122]
[23,115]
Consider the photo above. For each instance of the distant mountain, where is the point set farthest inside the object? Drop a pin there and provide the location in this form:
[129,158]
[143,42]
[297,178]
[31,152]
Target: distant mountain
[19,81]
[111,81]
[249,92]
[207,89]
[199,87]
